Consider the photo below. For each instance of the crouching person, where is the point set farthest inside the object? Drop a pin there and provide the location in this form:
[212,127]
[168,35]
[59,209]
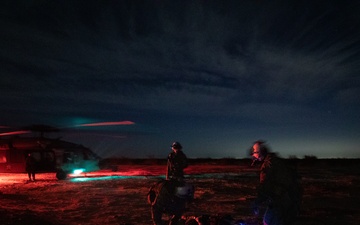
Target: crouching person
[169,197]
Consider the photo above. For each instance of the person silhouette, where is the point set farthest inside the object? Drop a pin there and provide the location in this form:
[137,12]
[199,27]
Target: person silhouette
[30,166]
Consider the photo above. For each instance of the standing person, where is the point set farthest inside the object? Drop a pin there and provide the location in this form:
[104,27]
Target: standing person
[176,162]
[30,167]
[279,187]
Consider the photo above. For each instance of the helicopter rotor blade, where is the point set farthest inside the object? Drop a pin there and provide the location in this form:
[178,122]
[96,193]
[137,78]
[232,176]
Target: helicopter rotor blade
[47,129]
[113,123]
[15,133]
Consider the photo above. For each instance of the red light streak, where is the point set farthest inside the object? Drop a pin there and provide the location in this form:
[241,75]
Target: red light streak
[115,123]
[15,133]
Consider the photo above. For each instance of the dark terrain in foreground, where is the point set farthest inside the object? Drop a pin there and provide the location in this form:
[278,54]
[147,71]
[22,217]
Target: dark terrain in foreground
[118,195]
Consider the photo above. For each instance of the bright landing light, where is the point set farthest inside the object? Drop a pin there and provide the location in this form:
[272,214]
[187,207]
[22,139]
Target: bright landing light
[78,171]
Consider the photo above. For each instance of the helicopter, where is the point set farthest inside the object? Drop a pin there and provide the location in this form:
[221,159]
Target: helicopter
[51,154]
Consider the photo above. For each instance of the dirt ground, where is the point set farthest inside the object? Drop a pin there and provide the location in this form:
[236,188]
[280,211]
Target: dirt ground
[331,195]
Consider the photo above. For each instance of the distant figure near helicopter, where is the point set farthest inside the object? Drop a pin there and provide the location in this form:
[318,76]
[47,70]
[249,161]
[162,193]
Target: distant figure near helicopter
[279,187]
[30,166]
[176,162]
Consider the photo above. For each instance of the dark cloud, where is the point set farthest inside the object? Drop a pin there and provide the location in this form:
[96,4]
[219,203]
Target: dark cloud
[253,64]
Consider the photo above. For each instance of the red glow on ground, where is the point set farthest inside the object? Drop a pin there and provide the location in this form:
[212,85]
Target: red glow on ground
[122,170]
[160,170]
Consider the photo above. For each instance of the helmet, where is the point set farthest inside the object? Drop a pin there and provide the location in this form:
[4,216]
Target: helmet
[176,145]
[185,191]
[263,149]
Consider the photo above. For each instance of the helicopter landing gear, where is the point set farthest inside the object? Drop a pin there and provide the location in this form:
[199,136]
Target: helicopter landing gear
[61,175]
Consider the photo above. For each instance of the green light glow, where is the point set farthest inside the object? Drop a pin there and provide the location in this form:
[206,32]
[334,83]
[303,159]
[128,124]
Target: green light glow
[87,179]
[78,171]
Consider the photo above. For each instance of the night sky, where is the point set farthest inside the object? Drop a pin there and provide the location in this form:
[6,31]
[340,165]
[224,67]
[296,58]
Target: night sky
[214,75]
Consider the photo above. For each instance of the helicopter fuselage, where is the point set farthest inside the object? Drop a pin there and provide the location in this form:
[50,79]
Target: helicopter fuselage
[51,155]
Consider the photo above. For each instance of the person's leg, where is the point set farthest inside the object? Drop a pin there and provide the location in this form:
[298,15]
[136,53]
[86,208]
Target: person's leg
[156,215]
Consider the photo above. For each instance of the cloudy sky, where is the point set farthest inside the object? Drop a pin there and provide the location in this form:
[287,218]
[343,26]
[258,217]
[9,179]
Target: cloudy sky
[214,75]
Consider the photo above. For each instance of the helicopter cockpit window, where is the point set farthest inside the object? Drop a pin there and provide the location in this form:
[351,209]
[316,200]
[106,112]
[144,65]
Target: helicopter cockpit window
[89,156]
[68,157]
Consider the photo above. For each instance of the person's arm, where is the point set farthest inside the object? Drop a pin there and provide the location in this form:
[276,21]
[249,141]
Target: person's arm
[266,182]
[168,170]
[184,160]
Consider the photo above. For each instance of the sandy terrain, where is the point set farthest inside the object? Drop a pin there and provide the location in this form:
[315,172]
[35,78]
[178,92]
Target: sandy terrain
[331,196]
